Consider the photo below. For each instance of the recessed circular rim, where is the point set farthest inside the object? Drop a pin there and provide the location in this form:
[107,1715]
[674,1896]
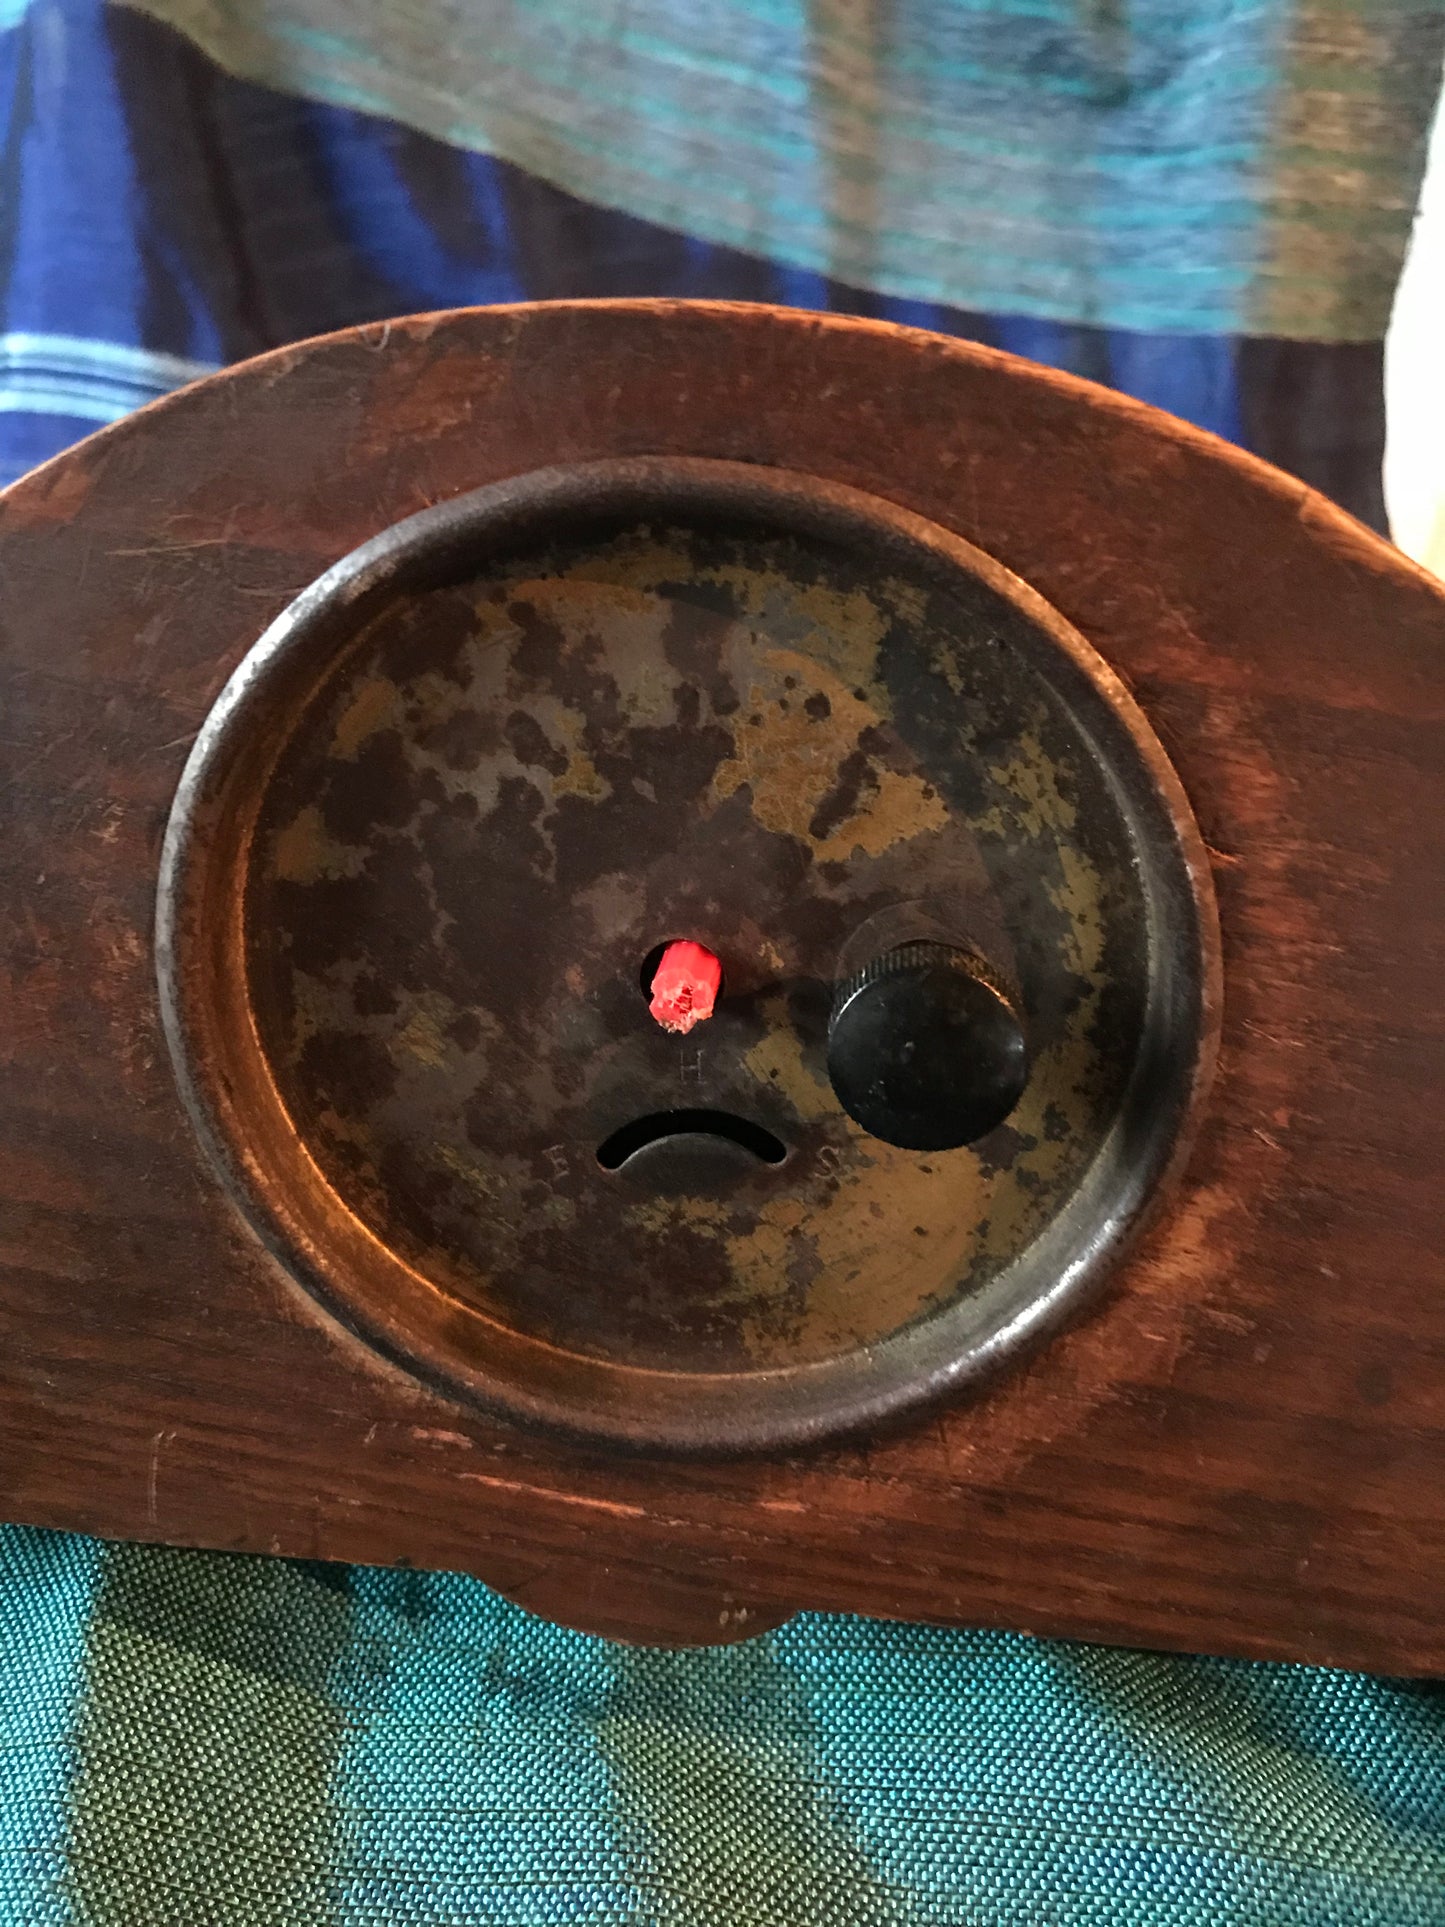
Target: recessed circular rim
[270,1175]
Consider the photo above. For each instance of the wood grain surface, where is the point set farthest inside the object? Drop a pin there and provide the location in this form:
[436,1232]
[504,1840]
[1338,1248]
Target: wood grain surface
[1241,1451]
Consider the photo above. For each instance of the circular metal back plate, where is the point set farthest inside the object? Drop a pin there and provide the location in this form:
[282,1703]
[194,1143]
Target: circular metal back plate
[470,779]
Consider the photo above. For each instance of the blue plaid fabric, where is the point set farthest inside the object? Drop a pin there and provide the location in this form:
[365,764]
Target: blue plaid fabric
[159,216]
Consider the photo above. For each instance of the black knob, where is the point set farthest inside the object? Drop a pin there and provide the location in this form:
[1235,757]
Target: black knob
[925,1049]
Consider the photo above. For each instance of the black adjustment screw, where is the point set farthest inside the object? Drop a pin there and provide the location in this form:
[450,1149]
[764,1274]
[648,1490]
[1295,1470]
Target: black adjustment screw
[925,1049]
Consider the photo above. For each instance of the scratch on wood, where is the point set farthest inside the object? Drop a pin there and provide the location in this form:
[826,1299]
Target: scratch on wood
[162,1438]
[183,546]
[611,1506]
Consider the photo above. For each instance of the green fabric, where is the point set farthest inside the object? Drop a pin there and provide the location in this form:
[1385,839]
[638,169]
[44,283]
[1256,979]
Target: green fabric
[206,1742]
[199,1740]
[1216,166]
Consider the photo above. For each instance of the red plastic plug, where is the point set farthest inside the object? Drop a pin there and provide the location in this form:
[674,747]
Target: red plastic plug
[685,987]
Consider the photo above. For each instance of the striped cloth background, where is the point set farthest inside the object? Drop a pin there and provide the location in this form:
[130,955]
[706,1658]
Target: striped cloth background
[1202,202]
[1245,166]
[194,1740]
[168,203]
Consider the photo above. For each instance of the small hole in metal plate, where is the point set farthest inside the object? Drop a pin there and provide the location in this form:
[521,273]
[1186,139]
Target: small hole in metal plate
[614,1151]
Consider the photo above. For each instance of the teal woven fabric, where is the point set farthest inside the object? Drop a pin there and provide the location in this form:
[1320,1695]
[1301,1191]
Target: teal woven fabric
[1216,166]
[197,1740]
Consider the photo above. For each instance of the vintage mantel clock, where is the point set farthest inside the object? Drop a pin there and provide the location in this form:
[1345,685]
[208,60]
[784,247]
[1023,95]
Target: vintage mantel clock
[710,961]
